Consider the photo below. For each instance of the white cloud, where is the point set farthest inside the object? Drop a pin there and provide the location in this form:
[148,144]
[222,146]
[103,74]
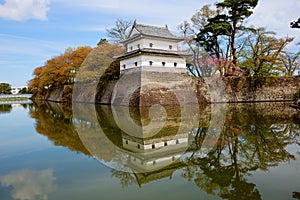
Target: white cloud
[276,15]
[28,184]
[156,12]
[21,10]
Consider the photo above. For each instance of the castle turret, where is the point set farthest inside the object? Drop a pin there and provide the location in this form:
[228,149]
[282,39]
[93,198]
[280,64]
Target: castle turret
[153,69]
[152,48]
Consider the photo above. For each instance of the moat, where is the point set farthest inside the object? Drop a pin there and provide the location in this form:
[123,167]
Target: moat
[219,151]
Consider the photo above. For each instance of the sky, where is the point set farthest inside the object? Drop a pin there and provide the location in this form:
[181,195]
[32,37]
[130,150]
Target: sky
[33,31]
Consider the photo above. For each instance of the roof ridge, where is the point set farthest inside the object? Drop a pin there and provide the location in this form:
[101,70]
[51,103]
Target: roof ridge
[152,26]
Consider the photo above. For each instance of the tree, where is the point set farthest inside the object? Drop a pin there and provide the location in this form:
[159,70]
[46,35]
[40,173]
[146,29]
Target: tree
[189,31]
[97,63]
[295,24]
[238,10]
[262,52]
[290,62]
[120,31]
[24,90]
[59,70]
[5,88]
[218,37]
[102,41]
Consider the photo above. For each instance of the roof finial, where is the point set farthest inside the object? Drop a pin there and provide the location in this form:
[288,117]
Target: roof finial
[134,23]
[167,26]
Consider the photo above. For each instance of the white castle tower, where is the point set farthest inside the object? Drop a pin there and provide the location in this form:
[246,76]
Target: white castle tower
[152,48]
[152,70]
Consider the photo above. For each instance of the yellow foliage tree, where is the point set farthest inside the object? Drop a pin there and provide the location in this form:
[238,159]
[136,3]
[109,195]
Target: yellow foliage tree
[59,70]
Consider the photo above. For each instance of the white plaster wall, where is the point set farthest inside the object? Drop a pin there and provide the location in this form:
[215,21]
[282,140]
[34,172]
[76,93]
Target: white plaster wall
[157,61]
[134,45]
[157,44]
[176,143]
[144,60]
[130,62]
[134,31]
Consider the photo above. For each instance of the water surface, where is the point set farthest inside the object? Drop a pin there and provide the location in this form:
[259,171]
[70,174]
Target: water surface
[222,151]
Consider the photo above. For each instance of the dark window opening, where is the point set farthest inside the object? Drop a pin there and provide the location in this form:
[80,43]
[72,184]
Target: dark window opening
[170,47]
[153,146]
[175,64]
[177,141]
[131,48]
[135,63]
[138,46]
[151,45]
[166,144]
[126,142]
[150,63]
[154,162]
[139,146]
[124,66]
[163,63]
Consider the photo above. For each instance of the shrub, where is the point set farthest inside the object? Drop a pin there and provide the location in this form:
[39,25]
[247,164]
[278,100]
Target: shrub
[296,95]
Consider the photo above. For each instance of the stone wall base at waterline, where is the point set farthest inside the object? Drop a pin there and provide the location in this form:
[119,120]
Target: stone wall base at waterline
[149,88]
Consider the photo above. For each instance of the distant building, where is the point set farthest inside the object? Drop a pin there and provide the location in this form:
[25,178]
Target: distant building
[16,90]
[152,48]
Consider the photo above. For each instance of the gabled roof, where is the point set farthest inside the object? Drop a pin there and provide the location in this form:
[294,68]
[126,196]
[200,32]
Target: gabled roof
[138,30]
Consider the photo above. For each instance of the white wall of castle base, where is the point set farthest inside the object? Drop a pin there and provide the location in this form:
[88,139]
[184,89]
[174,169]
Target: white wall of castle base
[157,61]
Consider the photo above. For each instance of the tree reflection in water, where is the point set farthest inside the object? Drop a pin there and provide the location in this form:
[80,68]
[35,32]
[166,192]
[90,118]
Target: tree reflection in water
[254,137]
[55,122]
[5,108]
[250,140]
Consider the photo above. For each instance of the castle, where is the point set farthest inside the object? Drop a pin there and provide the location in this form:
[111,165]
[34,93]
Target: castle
[152,70]
[152,48]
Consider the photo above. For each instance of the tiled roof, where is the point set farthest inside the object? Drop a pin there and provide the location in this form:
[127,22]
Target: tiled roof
[152,31]
[152,51]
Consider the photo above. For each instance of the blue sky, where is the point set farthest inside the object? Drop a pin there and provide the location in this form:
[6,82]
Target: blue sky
[32,31]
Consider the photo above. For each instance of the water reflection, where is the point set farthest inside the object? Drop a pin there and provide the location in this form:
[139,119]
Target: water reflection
[55,122]
[5,108]
[30,184]
[217,155]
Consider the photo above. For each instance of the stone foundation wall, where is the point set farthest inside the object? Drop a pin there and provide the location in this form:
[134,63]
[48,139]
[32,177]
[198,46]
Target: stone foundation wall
[248,89]
[146,88]
[55,95]
[165,88]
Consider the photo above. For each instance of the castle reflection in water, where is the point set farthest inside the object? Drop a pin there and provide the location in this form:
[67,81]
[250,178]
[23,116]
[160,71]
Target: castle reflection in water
[217,146]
